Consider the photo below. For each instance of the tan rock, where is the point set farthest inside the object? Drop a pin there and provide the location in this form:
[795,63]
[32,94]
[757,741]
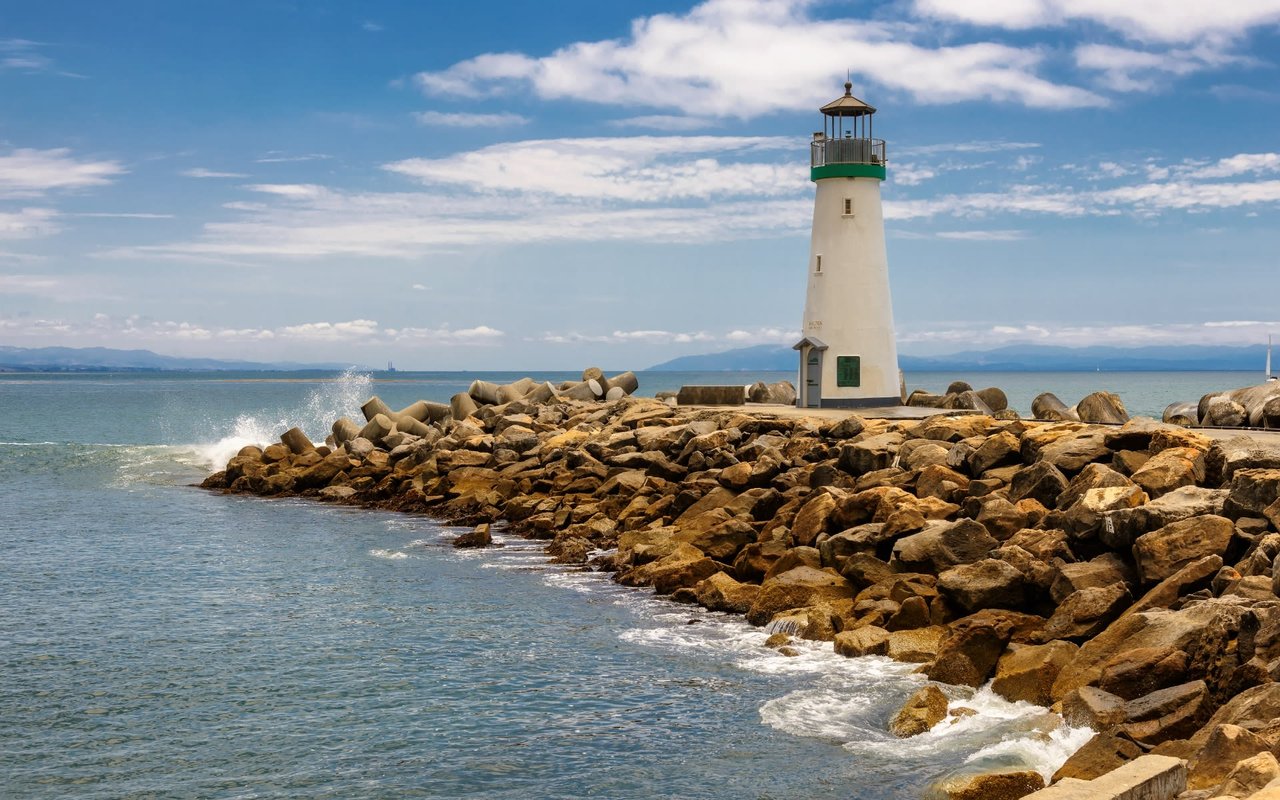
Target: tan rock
[1162,553]
[1091,707]
[685,566]
[1225,746]
[1170,469]
[917,646]
[1087,612]
[866,641]
[1027,672]
[797,588]
[720,592]
[1249,776]
[1003,784]
[1100,755]
[1141,670]
[924,709]
[988,583]
[969,654]
[1172,713]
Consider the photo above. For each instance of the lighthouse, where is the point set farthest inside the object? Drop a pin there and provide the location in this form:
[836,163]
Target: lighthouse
[848,357]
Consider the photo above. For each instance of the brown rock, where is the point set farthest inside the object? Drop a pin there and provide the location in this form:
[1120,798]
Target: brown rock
[941,546]
[1093,476]
[1100,755]
[1250,775]
[1072,453]
[1105,570]
[1041,481]
[722,593]
[1027,672]
[1162,553]
[1133,673]
[996,451]
[1191,578]
[988,583]
[812,519]
[924,709]
[1087,612]
[1171,469]
[913,612]
[754,560]
[917,646]
[479,537]
[969,654]
[866,641]
[1255,490]
[1091,707]
[1003,784]
[797,588]
[1172,713]
[684,567]
[795,557]
[1224,746]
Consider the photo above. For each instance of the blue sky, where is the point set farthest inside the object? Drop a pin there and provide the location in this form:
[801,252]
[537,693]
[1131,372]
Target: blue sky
[534,186]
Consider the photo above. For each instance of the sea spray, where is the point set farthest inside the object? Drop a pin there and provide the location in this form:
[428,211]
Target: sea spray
[328,401]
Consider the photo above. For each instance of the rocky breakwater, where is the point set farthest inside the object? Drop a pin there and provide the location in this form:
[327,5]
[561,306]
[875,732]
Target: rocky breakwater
[1247,407]
[1124,575]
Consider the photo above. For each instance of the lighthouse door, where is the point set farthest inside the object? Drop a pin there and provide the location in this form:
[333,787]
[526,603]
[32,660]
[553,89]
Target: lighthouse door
[812,378]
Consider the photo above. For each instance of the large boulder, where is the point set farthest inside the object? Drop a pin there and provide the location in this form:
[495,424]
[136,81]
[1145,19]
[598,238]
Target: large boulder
[1123,526]
[988,583]
[1007,783]
[1100,755]
[942,545]
[1103,407]
[1227,456]
[797,588]
[870,454]
[1255,491]
[779,393]
[1225,746]
[1251,775]
[865,641]
[1170,469]
[684,567]
[1087,612]
[1162,553]
[1041,481]
[720,592]
[969,654]
[1027,672]
[1142,670]
[1073,453]
[1173,713]
[924,709]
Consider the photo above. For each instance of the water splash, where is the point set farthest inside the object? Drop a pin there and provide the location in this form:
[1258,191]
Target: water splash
[332,399]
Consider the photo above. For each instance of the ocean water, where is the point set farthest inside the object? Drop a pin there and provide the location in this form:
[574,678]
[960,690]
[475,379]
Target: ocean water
[157,640]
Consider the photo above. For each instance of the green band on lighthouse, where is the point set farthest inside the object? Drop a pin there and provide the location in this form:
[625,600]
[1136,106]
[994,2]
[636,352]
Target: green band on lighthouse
[876,171]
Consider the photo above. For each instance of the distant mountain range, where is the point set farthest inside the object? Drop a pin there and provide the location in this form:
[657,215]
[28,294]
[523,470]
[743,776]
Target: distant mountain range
[1012,358]
[104,359]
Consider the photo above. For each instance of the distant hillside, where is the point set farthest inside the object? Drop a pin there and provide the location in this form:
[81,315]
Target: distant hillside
[1013,358]
[104,359]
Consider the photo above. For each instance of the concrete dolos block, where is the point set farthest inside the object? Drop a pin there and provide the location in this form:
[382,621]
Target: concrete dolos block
[1145,778]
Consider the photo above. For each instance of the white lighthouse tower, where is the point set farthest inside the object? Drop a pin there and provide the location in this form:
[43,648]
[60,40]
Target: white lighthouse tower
[848,357]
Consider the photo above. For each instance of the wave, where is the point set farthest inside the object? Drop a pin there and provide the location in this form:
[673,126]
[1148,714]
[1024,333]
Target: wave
[329,401]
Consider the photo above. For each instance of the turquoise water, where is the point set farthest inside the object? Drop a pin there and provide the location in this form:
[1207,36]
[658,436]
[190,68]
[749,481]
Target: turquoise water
[161,641]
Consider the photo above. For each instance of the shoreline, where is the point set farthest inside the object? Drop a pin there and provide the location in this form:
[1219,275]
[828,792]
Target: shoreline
[941,541]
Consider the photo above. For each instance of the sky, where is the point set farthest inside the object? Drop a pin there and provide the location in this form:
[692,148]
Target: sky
[515,185]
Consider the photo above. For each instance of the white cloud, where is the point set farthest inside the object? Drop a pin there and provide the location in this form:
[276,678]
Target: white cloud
[1146,20]
[103,328]
[277,157]
[739,337]
[636,168]
[984,236]
[28,223]
[33,173]
[39,285]
[122,215]
[419,287]
[371,26]
[664,122]
[201,172]
[463,120]
[1124,70]
[1240,164]
[744,58]
[1228,332]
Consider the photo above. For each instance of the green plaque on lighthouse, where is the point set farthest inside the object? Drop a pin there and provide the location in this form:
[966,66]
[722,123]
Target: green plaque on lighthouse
[848,370]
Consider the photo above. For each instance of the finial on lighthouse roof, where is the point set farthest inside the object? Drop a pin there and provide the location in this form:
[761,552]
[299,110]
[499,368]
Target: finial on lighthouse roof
[847,106]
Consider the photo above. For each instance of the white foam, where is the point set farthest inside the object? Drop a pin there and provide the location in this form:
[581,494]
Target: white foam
[329,401]
[393,555]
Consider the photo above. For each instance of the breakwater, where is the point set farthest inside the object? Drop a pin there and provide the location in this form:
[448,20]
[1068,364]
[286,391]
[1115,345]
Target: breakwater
[1122,574]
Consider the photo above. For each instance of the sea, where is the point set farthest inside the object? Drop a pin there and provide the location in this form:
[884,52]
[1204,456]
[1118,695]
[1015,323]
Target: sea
[161,641]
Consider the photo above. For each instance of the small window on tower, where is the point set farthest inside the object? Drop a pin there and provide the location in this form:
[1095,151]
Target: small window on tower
[817,263]
[848,206]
